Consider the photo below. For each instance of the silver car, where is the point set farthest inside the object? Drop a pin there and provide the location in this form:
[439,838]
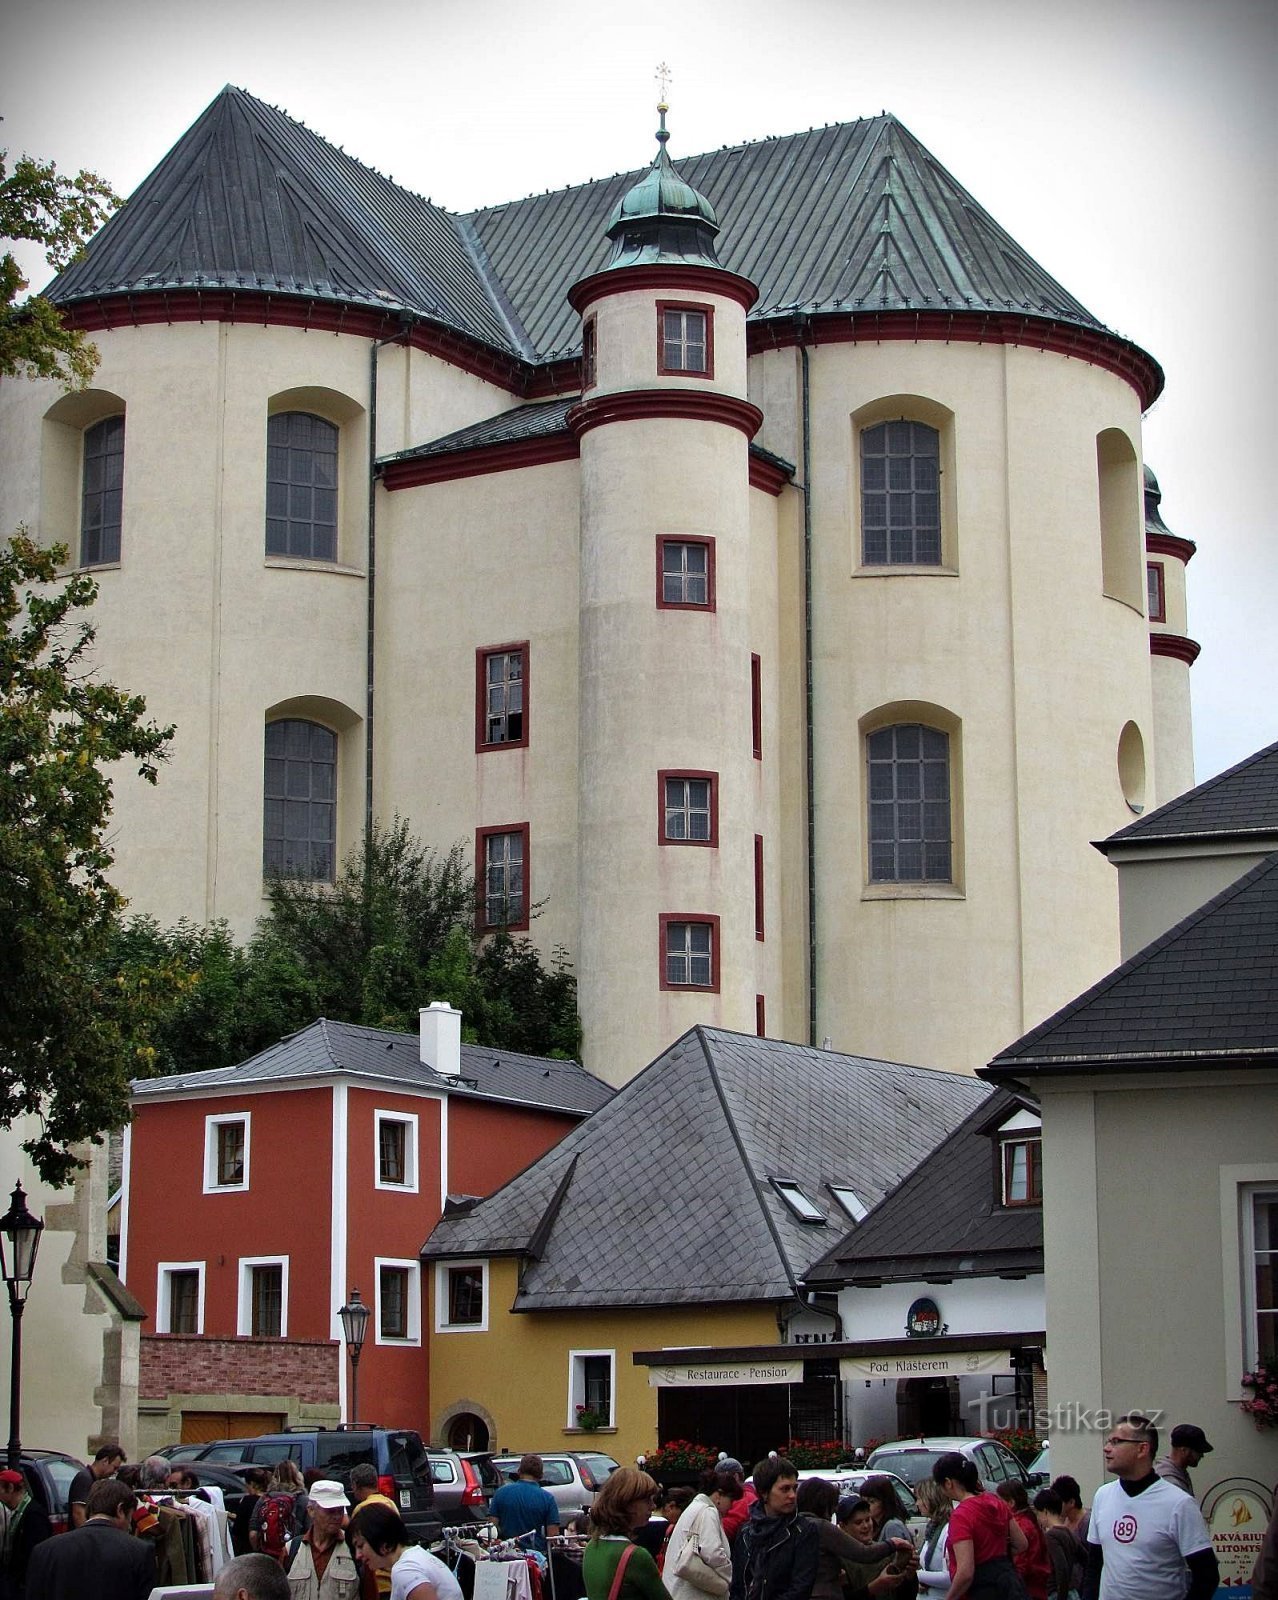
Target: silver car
[574,1477]
[913,1459]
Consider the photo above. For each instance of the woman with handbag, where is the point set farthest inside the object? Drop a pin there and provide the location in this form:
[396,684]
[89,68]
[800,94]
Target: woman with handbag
[613,1567]
[983,1536]
[698,1556]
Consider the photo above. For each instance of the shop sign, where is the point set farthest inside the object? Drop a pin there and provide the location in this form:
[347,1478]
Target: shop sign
[1237,1513]
[923,1320]
[944,1364]
[722,1374]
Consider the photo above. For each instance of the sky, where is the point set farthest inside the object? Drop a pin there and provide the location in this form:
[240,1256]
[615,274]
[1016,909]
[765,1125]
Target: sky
[1128,145]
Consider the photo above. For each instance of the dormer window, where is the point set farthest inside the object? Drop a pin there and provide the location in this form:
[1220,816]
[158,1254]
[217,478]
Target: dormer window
[800,1203]
[1020,1149]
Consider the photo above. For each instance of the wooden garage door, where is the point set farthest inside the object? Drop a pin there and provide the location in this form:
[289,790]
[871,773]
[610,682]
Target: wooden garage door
[200,1427]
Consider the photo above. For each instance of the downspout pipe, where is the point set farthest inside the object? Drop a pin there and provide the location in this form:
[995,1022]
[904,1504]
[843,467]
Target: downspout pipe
[406,320]
[809,754]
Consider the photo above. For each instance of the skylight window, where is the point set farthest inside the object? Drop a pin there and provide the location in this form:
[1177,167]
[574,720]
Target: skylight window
[805,1208]
[851,1202]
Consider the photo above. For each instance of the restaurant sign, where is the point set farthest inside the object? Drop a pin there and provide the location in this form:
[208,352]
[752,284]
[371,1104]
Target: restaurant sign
[721,1374]
[925,1364]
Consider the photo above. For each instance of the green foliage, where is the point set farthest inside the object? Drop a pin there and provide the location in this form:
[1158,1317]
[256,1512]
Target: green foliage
[395,931]
[70,1035]
[40,205]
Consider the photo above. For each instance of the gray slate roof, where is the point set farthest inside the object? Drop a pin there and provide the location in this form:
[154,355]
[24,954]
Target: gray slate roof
[663,1197]
[946,1219]
[1203,994]
[856,216]
[1236,804]
[326,1048]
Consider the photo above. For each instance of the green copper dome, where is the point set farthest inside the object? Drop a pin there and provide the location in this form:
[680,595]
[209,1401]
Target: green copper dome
[662,218]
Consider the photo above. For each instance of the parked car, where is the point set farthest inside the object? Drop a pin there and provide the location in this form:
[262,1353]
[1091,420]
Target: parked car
[49,1474]
[403,1469]
[913,1459]
[219,1475]
[574,1477]
[464,1483]
[1040,1469]
[851,1480]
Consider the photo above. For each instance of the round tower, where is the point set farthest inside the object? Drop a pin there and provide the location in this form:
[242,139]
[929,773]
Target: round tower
[1173,651]
[666,779]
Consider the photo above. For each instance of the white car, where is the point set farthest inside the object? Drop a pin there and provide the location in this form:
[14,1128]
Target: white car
[913,1459]
[851,1480]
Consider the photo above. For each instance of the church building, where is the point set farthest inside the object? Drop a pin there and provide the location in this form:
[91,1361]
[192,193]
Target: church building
[747,559]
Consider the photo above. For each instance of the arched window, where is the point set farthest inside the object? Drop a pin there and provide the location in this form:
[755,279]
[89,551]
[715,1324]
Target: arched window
[910,819]
[301,486]
[102,492]
[900,495]
[299,827]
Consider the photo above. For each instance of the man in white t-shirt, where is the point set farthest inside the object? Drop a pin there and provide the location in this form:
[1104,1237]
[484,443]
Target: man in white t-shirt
[1147,1539]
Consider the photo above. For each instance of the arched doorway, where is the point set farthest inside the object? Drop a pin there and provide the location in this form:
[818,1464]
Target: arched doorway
[466,1431]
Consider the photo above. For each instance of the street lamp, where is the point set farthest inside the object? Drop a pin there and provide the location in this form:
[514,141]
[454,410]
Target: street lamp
[354,1317]
[19,1240]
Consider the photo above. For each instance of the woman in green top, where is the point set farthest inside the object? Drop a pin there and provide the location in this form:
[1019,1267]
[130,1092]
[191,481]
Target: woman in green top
[623,1504]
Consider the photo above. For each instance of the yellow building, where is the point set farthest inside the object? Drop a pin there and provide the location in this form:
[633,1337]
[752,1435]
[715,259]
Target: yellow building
[750,562]
[649,1270]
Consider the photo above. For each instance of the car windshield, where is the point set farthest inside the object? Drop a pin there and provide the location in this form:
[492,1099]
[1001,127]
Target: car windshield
[912,1465]
[62,1472]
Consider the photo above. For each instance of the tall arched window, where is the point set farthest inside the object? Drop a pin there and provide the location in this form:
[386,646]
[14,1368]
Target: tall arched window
[900,495]
[301,486]
[910,820]
[102,492]
[299,827]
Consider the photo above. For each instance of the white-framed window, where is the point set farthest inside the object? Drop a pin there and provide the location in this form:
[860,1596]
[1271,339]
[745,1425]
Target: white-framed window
[1260,1274]
[461,1297]
[395,1150]
[397,1316]
[226,1152]
[1020,1142]
[263,1297]
[179,1297]
[592,1386]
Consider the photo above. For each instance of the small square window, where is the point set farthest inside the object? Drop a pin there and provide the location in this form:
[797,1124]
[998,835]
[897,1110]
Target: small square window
[1022,1172]
[685,574]
[591,1388]
[226,1153]
[501,868]
[689,952]
[395,1150]
[501,696]
[685,339]
[461,1297]
[689,808]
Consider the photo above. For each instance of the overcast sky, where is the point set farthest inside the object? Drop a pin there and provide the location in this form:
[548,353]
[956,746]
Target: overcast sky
[1128,145]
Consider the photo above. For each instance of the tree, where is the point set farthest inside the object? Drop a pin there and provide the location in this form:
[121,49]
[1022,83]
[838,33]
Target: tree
[40,205]
[395,930]
[70,1039]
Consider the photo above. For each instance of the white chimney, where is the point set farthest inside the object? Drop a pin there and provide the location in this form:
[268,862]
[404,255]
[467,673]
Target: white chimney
[441,1038]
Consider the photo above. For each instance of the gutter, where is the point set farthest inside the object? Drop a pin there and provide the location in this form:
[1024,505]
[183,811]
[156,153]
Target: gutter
[809,759]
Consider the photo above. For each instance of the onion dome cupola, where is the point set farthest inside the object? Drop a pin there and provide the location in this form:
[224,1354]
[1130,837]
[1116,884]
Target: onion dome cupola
[662,219]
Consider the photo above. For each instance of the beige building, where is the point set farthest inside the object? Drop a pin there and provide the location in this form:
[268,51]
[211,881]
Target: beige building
[751,564]
[1159,1097]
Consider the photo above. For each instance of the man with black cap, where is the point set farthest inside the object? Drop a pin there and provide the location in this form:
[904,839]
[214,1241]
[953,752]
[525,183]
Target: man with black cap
[1188,1447]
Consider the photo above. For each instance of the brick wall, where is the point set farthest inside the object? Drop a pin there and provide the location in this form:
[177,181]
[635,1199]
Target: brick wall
[194,1364]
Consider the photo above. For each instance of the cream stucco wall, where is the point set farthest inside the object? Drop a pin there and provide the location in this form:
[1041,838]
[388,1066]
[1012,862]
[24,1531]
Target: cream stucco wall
[1158,887]
[530,1411]
[1141,1243]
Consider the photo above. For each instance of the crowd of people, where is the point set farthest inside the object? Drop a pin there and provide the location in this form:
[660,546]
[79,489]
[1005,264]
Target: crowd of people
[762,1537]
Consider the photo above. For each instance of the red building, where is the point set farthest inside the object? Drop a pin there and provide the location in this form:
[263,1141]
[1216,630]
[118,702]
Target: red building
[257,1197]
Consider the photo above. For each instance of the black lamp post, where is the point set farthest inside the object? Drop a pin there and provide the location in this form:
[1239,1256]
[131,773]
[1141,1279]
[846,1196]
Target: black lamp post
[19,1240]
[354,1317]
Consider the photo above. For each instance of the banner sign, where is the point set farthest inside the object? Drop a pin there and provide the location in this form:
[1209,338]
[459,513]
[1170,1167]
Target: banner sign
[722,1374]
[944,1364]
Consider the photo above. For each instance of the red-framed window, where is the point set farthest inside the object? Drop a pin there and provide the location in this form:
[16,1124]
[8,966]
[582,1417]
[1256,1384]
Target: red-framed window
[589,354]
[685,339]
[758,886]
[1156,584]
[689,951]
[688,808]
[501,877]
[1022,1172]
[501,696]
[685,573]
[760,1017]
[756,705]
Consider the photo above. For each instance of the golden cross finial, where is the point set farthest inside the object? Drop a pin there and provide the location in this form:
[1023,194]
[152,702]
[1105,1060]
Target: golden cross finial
[663,76]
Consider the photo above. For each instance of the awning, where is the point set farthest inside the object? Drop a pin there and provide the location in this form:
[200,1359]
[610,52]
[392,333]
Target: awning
[929,1364]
